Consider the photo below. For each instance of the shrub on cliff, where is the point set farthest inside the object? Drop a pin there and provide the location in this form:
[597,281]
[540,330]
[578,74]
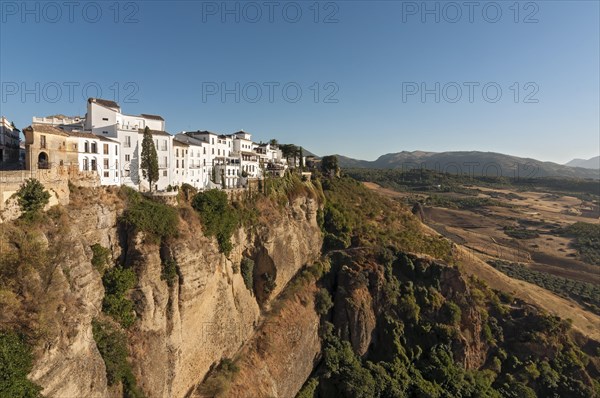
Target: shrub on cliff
[218,217]
[323,302]
[156,219]
[117,282]
[15,364]
[32,197]
[100,257]
[247,270]
[112,344]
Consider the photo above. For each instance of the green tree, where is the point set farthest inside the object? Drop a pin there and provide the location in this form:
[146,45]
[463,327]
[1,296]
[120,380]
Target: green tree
[15,364]
[32,197]
[218,217]
[149,164]
[330,165]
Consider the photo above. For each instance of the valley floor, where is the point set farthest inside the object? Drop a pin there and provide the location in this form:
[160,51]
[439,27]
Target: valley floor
[479,237]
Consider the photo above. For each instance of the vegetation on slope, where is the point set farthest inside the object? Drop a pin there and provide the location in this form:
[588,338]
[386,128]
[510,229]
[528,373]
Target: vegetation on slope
[586,294]
[16,362]
[586,240]
[436,333]
[354,216]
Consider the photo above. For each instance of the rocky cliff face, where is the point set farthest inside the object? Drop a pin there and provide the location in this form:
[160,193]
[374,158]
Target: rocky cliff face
[182,329]
[359,301]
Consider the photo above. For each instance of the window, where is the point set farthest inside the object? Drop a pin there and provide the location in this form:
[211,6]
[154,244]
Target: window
[165,173]
[166,161]
[116,149]
[85,164]
[86,147]
[182,166]
[213,151]
[104,132]
[105,149]
[106,174]
[177,152]
[127,158]
[94,165]
[106,165]
[127,141]
[177,163]
[164,145]
[204,150]
[105,119]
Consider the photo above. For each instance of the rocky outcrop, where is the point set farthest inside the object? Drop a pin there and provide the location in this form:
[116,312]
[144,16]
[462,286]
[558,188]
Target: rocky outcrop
[283,352]
[69,363]
[183,329]
[359,299]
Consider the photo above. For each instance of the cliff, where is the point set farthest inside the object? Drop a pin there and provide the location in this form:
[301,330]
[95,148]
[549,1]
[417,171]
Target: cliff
[181,330]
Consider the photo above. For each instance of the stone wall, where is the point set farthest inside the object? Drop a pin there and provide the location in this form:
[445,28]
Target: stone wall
[55,180]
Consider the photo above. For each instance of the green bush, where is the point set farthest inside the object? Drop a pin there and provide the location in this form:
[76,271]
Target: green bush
[247,270]
[323,302]
[452,312]
[112,344]
[218,217]
[32,197]
[100,257]
[156,219]
[169,271]
[117,282]
[15,364]
[218,382]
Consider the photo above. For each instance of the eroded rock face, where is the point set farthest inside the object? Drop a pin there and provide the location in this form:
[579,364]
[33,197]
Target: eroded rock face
[182,330]
[283,352]
[69,363]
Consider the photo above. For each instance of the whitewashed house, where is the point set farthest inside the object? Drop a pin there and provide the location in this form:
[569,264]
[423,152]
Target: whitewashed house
[179,164]
[9,142]
[243,149]
[99,154]
[104,118]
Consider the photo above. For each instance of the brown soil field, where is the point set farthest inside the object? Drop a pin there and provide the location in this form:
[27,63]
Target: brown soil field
[479,236]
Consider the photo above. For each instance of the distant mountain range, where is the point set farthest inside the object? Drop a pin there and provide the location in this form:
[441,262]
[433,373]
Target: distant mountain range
[473,163]
[593,163]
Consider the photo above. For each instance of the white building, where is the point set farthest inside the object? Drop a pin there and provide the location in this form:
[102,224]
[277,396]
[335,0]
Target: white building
[100,154]
[104,118]
[199,160]
[243,149]
[9,142]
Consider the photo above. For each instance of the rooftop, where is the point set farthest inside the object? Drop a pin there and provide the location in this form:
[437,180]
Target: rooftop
[103,102]
[155,117]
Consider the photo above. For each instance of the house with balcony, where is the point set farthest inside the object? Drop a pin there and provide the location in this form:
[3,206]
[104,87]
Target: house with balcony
[48,147]
[243,149]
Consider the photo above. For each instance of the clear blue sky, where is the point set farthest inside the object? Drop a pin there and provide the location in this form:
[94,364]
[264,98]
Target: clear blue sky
[372,55]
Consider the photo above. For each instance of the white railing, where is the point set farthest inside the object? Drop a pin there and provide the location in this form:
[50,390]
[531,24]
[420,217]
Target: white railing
[56,121]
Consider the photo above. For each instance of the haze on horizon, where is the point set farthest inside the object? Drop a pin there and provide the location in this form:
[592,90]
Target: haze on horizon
[375,77]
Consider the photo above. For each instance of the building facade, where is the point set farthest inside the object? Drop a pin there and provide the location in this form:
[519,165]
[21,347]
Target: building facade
[9,142]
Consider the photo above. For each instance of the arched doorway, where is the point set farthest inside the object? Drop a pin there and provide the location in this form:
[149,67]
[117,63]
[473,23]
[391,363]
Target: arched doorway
[43,161]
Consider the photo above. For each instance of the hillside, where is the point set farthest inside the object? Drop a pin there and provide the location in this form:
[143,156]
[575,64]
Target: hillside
[317,288]
[471,163]
[592,163]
